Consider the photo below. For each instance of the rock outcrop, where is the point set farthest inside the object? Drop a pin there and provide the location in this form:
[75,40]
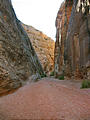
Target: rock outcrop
[18,59]
[72,48]
[44,47]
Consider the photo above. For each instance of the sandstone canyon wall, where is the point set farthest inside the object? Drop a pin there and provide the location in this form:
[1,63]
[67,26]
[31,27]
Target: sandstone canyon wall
[18,59]
[44,47]
[72,47]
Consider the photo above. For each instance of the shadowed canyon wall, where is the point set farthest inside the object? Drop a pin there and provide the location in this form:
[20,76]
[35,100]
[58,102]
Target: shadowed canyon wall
[72,47]
[44,47]
[18,59]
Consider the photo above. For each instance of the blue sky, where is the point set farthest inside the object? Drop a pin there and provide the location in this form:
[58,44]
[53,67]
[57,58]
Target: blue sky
[40,14]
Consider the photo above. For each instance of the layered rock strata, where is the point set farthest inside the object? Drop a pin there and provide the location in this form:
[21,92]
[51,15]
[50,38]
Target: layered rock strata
[44,47]
[18,59]
[72,50]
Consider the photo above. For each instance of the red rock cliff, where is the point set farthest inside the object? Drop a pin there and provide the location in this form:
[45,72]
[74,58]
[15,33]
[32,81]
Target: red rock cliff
[44,47]
[72,48]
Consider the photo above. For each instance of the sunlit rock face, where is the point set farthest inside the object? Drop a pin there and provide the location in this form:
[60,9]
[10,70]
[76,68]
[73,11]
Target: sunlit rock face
[18,59]
[44,47]
[74,46]
[62,22]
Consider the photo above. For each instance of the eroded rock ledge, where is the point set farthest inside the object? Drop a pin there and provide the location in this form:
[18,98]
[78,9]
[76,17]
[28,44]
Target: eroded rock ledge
[72,48]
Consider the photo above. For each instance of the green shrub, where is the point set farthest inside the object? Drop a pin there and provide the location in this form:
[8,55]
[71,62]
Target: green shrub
[43,75]
[36,80]
[85,84]
[61,77]
[52,73]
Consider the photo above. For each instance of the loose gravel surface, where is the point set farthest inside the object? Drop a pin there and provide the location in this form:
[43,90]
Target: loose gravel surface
[48,99]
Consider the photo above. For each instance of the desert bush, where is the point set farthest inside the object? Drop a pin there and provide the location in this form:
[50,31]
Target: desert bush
[61,77]
[43,75]
[85,84]
[52,73]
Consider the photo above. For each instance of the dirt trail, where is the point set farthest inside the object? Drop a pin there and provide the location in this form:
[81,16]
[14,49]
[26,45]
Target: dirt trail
[48,99]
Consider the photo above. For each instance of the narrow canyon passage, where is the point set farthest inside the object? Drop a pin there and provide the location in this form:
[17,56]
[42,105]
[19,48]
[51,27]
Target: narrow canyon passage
[28,56]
